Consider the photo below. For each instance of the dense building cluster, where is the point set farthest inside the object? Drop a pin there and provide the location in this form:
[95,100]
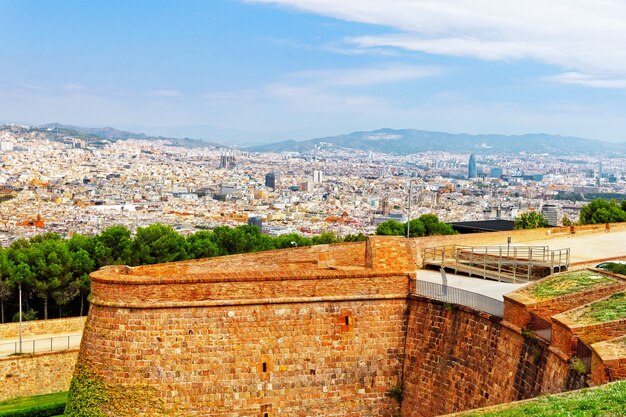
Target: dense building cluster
[75,185]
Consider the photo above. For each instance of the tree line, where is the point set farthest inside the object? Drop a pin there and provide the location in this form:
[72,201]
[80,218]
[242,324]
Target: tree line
[425,225]
[599,211]
[53,272]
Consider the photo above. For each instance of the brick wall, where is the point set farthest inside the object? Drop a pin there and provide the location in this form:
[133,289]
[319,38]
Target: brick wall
[309,333]
[40,327]
[519,306]
[458,359]
[42,373]
[607,361]
[319,358]
[565,333]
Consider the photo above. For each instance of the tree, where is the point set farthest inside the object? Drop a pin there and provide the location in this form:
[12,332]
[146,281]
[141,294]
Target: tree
[21,275]
[355,238]
[325,238]
[391,228]
[433,226]
[602,211]
[200,245]
[530,220]
[566,221]
[158,243]
[417,228]
[6,287]
[50,263]
[113,247]
[82,264]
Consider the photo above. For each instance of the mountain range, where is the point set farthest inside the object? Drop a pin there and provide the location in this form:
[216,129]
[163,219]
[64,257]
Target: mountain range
[111,134]
[408,141]
[389,141]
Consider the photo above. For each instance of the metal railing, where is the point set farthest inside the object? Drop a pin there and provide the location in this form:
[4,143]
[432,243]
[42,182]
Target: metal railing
[47,344]
[512,262]
[453,295]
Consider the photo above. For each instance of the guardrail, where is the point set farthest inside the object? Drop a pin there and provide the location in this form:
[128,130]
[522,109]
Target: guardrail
[47,344]
[453,295]
[499,262]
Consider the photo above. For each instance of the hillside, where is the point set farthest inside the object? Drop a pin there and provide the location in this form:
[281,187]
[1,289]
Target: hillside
[96,135]
[407,141]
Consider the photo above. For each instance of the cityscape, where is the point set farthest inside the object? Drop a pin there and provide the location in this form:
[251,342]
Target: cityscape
[70,186]
[299,208]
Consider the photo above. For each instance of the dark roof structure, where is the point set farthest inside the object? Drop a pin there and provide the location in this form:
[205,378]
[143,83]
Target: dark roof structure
[481,226]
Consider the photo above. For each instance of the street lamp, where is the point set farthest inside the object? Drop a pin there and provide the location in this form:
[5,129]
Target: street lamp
[408,223]
[20,301]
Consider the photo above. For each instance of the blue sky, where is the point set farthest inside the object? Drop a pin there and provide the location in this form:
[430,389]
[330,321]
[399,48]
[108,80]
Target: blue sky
[262,70]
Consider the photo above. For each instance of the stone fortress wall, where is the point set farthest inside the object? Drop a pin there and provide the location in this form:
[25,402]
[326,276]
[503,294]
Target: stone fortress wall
[326,330]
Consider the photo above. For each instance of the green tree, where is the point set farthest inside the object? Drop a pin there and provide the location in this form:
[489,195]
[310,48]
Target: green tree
[291,240]
[50,263]
[113,246]
[433,226]
[325,238]
[530,220]
[241,239]
[82,264]
[6,287]
[565,221]
[417,228]
[158,243]
[601,211]
[355,238]
[391,228]
[21,275]
[200,245]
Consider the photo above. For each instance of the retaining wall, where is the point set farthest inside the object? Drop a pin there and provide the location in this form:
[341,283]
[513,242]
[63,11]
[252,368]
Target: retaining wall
[459,359]
[42,373]
[41,327]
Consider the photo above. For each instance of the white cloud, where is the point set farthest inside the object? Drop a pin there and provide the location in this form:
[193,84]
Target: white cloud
[588,80]
[585,36]
[374,75]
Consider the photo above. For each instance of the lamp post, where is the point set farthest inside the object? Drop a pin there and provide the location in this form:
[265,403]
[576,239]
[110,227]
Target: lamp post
[20,301]
[408,222]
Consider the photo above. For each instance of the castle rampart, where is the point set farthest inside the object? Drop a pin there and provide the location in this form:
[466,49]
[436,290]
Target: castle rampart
[328,330]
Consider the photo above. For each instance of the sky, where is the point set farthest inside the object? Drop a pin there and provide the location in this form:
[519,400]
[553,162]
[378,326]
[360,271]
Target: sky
[266,70]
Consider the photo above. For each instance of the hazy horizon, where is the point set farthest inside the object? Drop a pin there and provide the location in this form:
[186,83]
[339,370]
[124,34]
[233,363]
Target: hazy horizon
[296,69]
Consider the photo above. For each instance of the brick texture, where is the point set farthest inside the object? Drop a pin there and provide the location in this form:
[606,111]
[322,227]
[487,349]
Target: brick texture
[458,359]
[42,373]
[39,327]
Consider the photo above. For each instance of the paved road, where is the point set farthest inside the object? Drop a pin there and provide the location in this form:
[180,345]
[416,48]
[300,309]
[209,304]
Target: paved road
[41,343]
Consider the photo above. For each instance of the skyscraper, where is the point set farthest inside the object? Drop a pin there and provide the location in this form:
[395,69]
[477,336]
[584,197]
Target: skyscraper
[318,177]
[551,213]
[471,169]
[270,180]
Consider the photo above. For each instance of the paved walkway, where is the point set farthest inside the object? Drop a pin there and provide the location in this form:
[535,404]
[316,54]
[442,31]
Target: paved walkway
[589,247]
[584,248]
[41,343]
[493,289]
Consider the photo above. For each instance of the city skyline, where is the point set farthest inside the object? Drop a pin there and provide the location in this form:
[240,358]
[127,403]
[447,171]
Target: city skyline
[287,69]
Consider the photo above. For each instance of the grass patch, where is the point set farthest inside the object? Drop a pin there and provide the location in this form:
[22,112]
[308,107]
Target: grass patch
[609,309]
[38,405]
[37,400]
[607,401]
[570,283]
